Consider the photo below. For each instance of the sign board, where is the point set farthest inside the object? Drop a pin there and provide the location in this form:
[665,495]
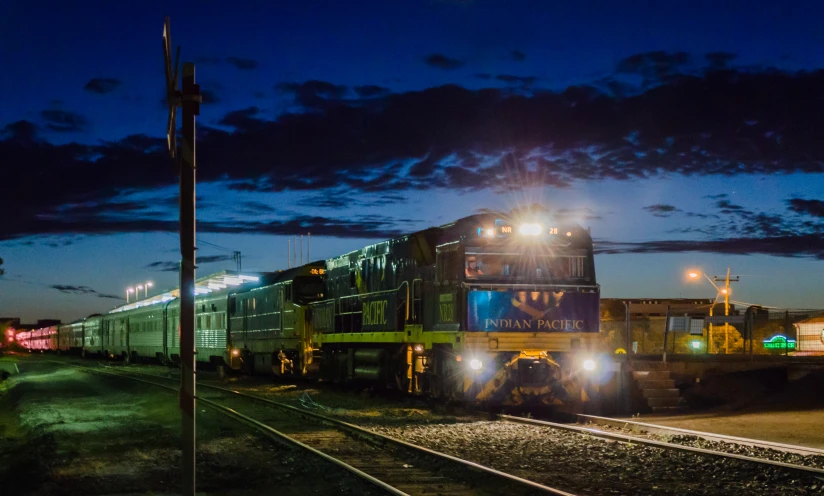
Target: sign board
[379,312]
[532,311]
[679,323]
[779,343]
[323,317]
[691,324]
[697,326]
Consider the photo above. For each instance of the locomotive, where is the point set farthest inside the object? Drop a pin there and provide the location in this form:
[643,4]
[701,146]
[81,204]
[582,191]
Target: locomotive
[493,308]
[490,308]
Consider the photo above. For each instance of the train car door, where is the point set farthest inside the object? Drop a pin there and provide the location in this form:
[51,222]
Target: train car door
[447,304]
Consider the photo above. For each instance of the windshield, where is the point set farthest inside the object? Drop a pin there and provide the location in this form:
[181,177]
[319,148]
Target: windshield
[308,289]
[523,266]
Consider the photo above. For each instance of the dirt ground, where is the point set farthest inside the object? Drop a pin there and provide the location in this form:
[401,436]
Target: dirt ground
[67,432]
[759,405]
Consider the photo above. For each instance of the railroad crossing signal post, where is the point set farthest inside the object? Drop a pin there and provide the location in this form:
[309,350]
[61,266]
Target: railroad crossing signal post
[189,98]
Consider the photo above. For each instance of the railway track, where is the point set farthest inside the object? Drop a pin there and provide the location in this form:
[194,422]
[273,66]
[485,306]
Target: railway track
[663,430]
[393,465]
[648,441]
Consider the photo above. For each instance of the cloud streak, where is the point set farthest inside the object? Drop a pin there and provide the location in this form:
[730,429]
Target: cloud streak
[241,63]
[83,291]
[441,61]
[102,86]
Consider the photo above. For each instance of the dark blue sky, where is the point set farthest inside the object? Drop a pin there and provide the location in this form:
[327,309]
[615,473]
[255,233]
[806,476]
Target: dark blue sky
[684,135]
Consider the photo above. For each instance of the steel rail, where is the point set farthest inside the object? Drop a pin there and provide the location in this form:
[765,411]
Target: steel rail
[375,436]
[274,433]
[661,444]
[382,437]
[712,436]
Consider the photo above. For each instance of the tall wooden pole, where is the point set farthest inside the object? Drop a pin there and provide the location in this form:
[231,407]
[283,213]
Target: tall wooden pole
[190,96]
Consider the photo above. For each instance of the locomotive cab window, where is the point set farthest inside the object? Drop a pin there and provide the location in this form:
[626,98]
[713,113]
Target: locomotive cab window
[527,266]
[447,265]
[308,289]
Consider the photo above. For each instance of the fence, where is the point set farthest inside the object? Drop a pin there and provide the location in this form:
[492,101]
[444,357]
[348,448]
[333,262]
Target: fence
[754,331]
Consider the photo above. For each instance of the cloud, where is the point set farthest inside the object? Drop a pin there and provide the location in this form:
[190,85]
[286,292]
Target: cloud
[258,94]
[655,65]
[83,290]
[443,137]
[440,61]
[242,63]
[311,93]
[661,210]
[814,208]
[19,132]
[339,200]
[740,230]
[168,266]
[241,119]
[509,78]
[801,246]
[208,97]
[517,55]
[63,121]
[719,60]
[483,75]
[101,86]
[370,91]
[164,266]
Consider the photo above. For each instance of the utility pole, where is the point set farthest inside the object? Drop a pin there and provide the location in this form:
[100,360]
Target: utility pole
[189,99]
[726,292]
[237,258]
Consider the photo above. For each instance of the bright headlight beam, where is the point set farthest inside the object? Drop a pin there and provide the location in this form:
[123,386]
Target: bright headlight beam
[530,229]
[589,364]
[475,364]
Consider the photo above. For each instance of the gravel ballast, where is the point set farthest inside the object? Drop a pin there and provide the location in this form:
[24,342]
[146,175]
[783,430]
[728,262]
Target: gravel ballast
[816,461]
[582,464]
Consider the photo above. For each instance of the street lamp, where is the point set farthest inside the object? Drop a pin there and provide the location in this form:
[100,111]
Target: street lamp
[147,286]
[137,294]
[128,291]
[726,291]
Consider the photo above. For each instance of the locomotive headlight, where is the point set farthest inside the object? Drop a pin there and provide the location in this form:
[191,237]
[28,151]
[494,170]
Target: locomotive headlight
[530,229]
[589,364]
[235,352]
[475,364]
[490,232]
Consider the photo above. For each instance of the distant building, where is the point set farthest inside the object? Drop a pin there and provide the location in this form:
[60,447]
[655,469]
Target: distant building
[615,308]
[14,322]
[810,334]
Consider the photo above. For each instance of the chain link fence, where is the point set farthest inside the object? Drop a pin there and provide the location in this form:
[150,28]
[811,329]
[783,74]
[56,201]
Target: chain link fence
[754,330]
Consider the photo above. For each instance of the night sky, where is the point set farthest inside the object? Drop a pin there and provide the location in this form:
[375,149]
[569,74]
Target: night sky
[687,136]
